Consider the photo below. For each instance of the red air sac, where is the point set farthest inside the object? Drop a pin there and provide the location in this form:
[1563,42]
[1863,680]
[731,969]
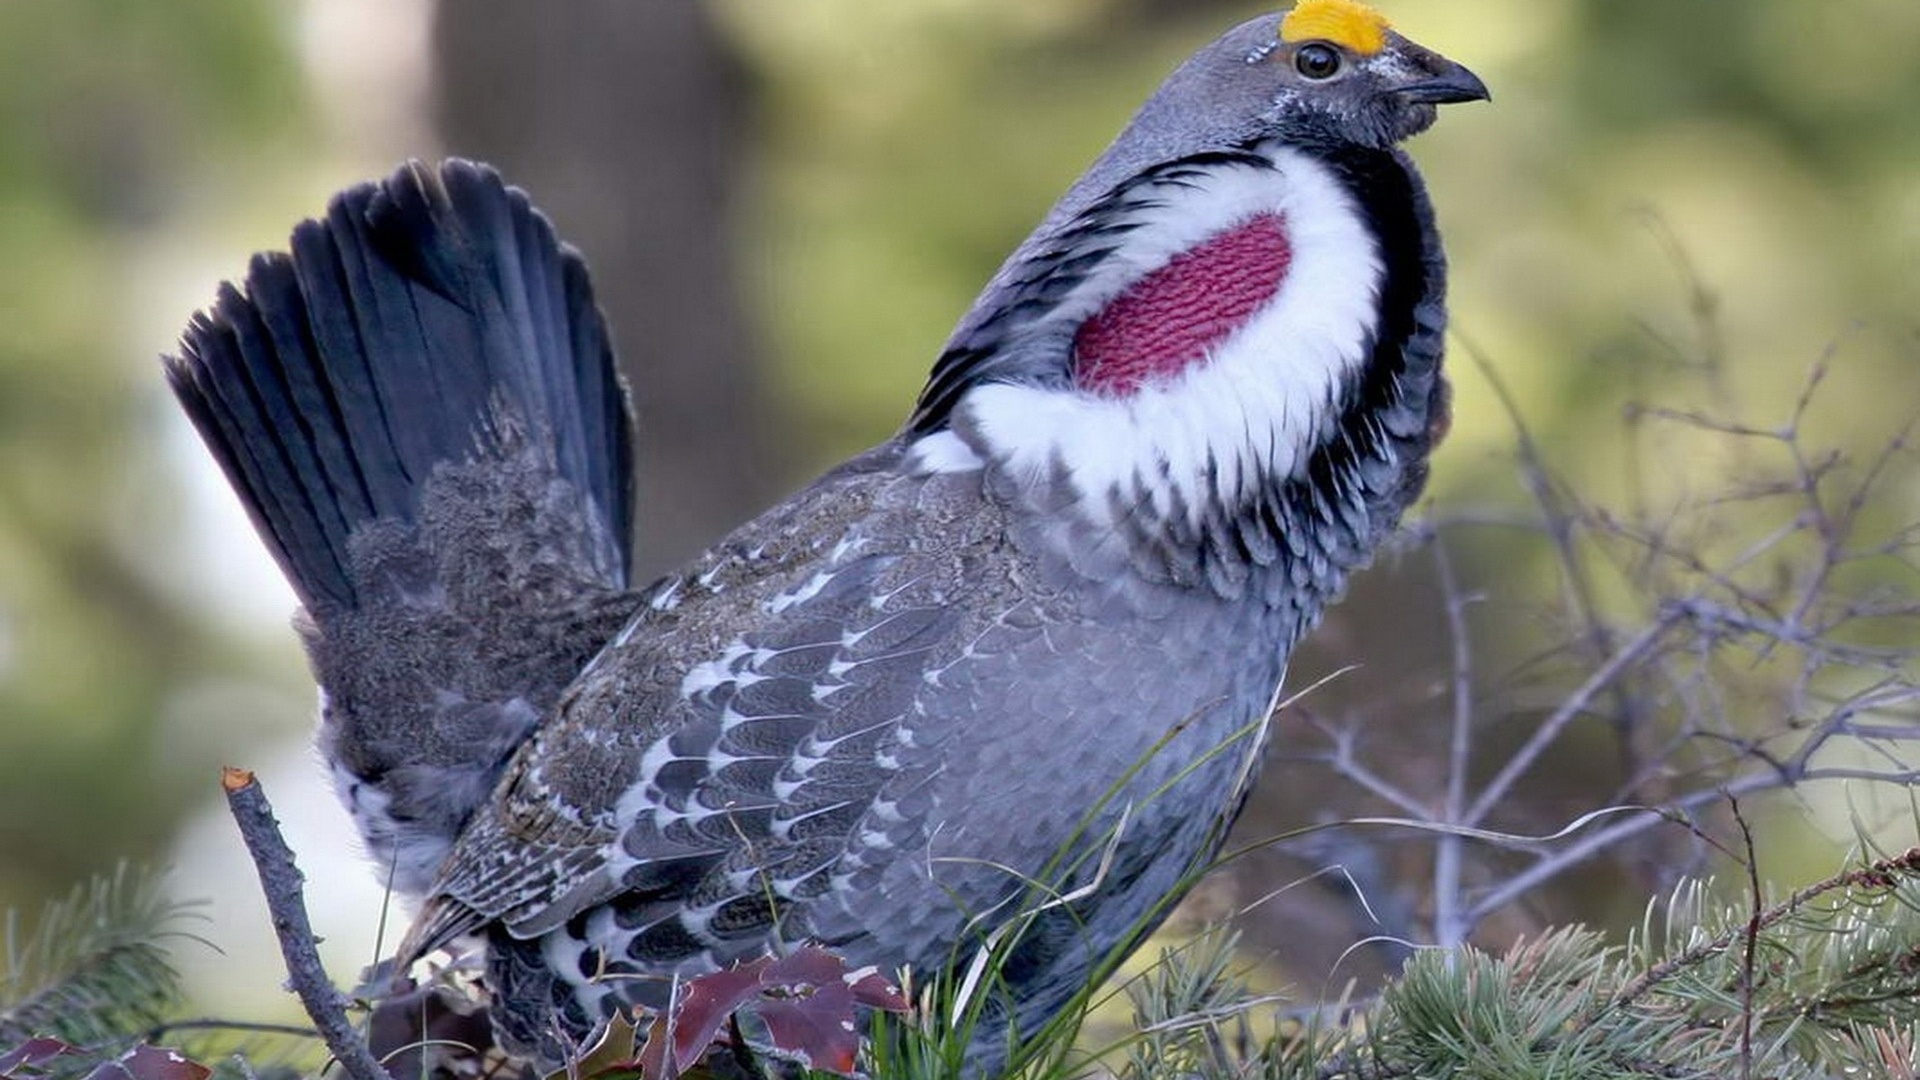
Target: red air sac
[1172,317]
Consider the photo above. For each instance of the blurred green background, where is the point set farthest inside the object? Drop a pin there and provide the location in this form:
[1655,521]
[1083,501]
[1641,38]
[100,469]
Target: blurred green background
[787,205]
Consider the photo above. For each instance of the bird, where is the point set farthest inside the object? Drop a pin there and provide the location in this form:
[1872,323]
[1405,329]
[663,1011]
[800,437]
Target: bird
[1010,668]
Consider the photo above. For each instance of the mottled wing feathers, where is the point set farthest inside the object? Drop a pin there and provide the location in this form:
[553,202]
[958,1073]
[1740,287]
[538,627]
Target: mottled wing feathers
[508,870]
[702,785]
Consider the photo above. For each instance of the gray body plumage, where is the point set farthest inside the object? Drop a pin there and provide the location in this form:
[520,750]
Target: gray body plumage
[941,683]
[904,706]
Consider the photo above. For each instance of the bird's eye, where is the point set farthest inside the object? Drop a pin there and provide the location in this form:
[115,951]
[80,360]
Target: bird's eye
[1317,61]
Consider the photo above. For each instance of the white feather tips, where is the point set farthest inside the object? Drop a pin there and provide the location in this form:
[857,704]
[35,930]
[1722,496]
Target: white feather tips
[1265,395]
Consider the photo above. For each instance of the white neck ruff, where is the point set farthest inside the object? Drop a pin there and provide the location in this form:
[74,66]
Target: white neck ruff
[1251,412]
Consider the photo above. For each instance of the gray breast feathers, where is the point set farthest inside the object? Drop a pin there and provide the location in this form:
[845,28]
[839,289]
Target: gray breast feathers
[772,740]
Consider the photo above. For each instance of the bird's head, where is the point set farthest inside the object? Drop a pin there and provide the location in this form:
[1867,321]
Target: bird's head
[1242,296]
[1338,65]
[1325,70]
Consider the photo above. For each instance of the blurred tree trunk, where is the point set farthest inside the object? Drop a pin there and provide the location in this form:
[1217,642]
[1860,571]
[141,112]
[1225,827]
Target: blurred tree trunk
[625,122]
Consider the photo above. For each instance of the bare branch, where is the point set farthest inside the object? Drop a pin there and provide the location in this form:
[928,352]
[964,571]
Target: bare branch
[1448,855]
[281,880]
[1346,762]
[1551,728]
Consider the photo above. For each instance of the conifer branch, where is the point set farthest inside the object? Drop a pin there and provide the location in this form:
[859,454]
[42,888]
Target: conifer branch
[1881,876]
[94,970]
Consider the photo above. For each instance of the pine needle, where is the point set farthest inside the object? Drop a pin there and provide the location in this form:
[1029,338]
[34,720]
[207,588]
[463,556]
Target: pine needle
[94,970]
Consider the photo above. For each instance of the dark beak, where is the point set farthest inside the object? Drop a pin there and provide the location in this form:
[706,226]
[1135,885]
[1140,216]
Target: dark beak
[1447,82]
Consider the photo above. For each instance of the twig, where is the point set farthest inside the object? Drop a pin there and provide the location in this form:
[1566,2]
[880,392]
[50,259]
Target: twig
[1750,941]
[281,881]
[1636,821]
[1575,704]
[1348,764]
[1559,522]
[1447,928]
[159,1031]
[1884,874]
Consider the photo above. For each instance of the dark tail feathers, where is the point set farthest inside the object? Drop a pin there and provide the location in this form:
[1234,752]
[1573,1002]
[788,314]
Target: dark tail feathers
[379,348]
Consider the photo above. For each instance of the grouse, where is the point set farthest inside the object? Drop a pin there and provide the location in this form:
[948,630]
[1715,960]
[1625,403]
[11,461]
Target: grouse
[1015,662]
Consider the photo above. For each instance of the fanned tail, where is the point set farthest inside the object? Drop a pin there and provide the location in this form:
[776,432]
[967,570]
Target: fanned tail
[419,408]
[349,369]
